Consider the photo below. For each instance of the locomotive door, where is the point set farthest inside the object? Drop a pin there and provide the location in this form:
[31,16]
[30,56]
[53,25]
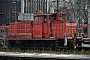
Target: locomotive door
[69,29]
[37,27]
[57,29]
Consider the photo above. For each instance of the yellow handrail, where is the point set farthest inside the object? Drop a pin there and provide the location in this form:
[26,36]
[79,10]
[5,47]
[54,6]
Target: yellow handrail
[75,38]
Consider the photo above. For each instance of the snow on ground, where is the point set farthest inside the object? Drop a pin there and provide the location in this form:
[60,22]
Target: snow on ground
[45,55]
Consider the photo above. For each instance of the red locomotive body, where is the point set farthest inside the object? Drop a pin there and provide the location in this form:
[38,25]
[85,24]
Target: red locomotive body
[40,28]
[70,27]
[20,30]
[60,28]
[43,31]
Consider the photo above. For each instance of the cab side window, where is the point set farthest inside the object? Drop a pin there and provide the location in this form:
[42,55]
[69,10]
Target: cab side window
[45,19]
[85,30]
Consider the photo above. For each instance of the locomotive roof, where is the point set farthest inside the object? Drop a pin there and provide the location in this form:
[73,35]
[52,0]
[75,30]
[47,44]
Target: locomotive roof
[68,21]
[42,14]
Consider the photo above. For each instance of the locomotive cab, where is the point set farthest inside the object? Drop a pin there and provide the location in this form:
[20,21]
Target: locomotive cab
[41,26]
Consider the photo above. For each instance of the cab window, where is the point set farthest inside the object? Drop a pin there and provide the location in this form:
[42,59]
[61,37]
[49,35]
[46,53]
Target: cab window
[38,19]
[85,30]
[45,19]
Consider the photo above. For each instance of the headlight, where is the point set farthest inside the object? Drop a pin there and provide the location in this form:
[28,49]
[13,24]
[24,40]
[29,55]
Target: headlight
[66,35]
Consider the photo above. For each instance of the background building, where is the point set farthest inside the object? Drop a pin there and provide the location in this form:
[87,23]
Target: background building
[9,10]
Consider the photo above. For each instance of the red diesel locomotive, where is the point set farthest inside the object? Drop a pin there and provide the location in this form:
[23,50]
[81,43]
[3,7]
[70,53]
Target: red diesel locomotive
[43,27]
[45,31]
